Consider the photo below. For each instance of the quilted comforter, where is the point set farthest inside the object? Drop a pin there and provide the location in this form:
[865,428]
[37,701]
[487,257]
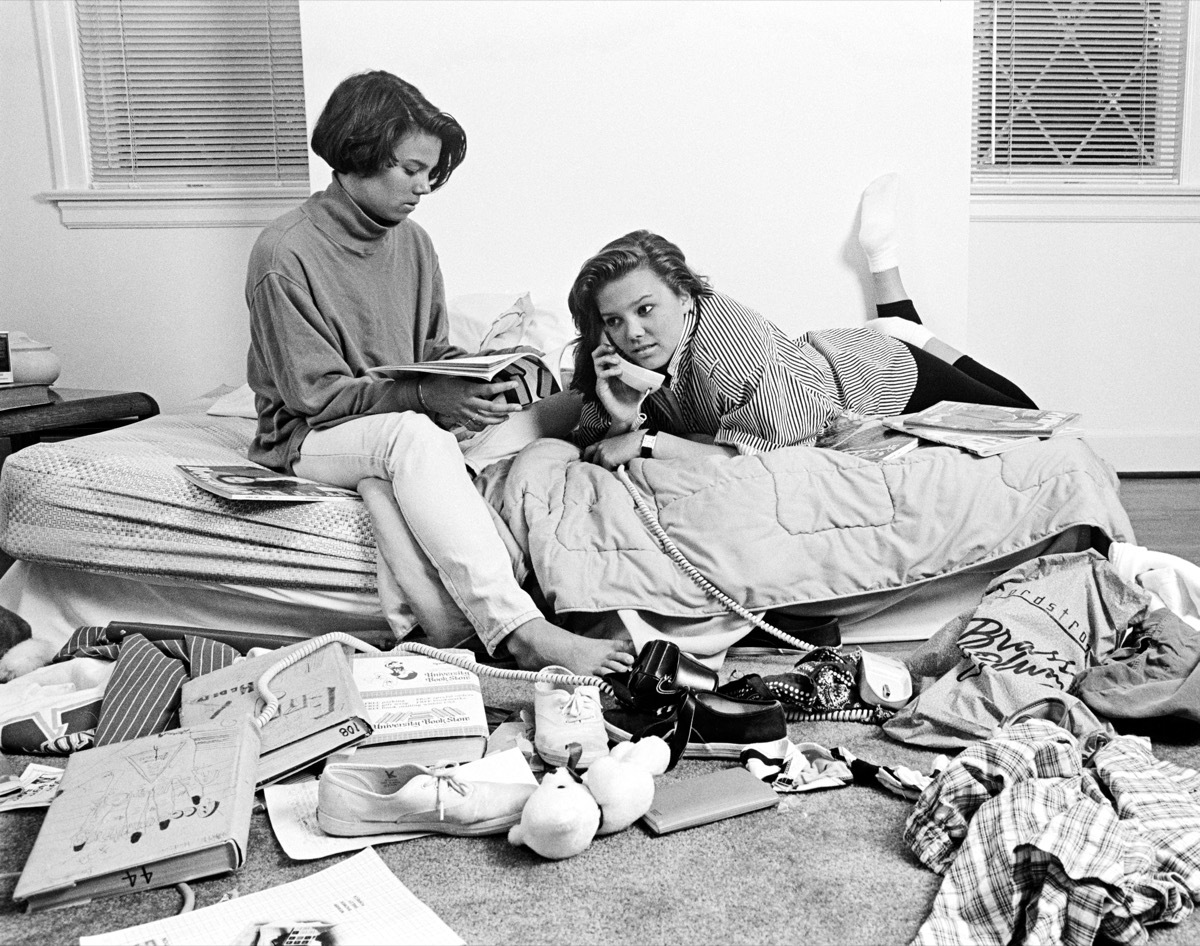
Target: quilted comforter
[796,526]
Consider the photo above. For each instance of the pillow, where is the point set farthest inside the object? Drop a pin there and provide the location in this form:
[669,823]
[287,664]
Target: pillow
[490,320]
[237,403]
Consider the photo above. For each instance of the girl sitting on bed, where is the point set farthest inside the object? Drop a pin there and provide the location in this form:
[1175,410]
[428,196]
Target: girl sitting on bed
[734,382]
[345,283]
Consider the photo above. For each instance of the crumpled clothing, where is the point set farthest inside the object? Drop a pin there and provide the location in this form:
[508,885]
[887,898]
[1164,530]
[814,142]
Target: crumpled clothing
[53,710]
[1172,582]
[1155,673]
[897,779]
[1037,847]
[143,693]
[1037,626]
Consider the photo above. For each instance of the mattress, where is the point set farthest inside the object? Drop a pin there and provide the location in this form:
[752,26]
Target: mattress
[114,503]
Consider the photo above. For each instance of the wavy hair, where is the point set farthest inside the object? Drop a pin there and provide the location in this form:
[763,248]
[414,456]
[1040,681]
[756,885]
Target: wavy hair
[367,115]
[640,249]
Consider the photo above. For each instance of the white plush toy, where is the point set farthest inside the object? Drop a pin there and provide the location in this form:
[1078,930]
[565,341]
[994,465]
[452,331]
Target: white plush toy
[622,782]
[564,814]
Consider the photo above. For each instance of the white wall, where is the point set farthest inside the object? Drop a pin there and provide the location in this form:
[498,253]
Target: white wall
[1099,316]
[744,132]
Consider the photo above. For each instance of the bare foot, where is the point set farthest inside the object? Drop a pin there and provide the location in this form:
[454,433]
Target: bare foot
[538,643]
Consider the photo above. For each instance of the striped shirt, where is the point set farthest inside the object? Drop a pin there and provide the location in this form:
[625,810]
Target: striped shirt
[736,377]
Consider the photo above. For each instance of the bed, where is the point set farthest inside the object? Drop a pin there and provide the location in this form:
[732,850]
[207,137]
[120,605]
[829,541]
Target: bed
[105,528]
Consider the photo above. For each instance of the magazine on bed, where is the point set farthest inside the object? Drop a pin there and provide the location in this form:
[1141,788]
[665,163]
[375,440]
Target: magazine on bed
[528,368]
[865,437]
[258,484]
[992,420]
[981,443]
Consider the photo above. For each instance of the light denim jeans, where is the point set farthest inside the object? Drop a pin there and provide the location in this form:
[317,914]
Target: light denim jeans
[441,562]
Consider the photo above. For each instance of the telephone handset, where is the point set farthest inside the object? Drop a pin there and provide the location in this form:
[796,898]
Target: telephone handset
[637,377]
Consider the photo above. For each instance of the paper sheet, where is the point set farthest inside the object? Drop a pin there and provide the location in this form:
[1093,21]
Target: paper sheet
[293,808]
[39,783]
[356,901]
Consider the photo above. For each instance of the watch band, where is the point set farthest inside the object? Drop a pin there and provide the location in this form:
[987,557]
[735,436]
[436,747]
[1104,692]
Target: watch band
[648,440]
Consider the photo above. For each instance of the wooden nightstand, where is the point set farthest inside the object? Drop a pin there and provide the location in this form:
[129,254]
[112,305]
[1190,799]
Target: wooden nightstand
[73,413]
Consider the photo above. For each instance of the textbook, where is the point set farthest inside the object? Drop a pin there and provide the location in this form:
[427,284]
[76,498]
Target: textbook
[259,484]
[13,396]
[865,437]
[144,813]
[320,710]
[422,710]
[529,369]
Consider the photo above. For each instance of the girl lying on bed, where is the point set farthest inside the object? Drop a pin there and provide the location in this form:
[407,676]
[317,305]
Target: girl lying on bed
[734,382]
[348,282]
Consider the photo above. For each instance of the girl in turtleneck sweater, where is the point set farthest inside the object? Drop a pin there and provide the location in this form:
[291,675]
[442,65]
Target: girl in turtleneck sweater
[347,282]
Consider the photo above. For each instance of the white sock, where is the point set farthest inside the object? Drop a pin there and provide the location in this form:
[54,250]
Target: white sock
[914,333]
[877,231]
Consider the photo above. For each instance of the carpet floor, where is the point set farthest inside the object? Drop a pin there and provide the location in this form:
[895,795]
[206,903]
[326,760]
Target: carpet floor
[824,867]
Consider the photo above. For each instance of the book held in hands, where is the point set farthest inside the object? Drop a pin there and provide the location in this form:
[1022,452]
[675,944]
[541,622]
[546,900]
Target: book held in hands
[529,369]
[320,710]
[422,710]
[144,813]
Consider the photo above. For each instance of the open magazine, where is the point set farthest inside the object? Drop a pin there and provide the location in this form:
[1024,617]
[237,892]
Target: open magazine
[865,437]
[259,484]
[529,369]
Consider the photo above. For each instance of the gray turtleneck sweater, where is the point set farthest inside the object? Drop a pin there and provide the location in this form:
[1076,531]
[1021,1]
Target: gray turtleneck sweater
[332,293]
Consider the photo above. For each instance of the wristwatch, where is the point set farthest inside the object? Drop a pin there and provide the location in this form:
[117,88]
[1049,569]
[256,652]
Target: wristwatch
[648,439]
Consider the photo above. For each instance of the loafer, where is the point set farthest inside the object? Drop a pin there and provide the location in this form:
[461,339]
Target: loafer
[716,726]
[355,800]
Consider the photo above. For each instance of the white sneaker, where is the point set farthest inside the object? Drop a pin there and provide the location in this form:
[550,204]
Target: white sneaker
[354,800]
[565,714]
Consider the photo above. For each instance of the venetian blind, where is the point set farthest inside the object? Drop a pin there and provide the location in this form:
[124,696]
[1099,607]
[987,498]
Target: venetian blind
[1078,90]
[189,93]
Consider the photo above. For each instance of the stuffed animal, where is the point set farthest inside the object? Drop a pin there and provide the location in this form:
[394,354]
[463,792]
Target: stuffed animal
[568,810]
[560,819]
[622,782]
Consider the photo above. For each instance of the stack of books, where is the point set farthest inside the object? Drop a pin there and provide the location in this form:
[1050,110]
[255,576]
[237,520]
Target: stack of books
[983,429]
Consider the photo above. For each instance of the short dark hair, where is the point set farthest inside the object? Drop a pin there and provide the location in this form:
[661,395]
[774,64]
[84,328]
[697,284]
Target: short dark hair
[640,249]
[367,115]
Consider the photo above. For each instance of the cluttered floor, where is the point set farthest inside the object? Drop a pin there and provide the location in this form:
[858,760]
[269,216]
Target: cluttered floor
[830,866]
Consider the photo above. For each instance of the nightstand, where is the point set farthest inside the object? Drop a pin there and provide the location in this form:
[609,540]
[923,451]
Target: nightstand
[73,413]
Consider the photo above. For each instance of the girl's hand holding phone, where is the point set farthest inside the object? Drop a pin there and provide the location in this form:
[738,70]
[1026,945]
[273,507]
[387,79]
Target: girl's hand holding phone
[622,401]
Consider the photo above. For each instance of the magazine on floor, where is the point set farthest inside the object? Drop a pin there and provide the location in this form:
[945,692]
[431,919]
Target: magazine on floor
[529,369]
[355,901]
[258,484]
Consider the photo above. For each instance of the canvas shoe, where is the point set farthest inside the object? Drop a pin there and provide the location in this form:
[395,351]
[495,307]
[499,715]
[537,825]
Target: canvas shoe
[355,800]
[563,715]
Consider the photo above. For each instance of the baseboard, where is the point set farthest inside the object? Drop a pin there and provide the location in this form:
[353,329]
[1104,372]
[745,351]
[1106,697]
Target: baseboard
[1153,451]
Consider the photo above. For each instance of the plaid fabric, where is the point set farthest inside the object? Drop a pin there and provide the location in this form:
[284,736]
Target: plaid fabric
[1037,849]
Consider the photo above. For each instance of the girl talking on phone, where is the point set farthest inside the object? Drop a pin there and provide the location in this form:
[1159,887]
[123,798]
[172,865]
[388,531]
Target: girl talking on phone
[728,380]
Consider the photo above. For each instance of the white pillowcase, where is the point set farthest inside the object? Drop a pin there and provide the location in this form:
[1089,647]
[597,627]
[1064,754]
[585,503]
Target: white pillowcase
[237,403]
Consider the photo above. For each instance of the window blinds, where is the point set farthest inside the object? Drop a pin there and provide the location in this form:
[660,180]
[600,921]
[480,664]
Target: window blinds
[1078,90]
[193,93]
